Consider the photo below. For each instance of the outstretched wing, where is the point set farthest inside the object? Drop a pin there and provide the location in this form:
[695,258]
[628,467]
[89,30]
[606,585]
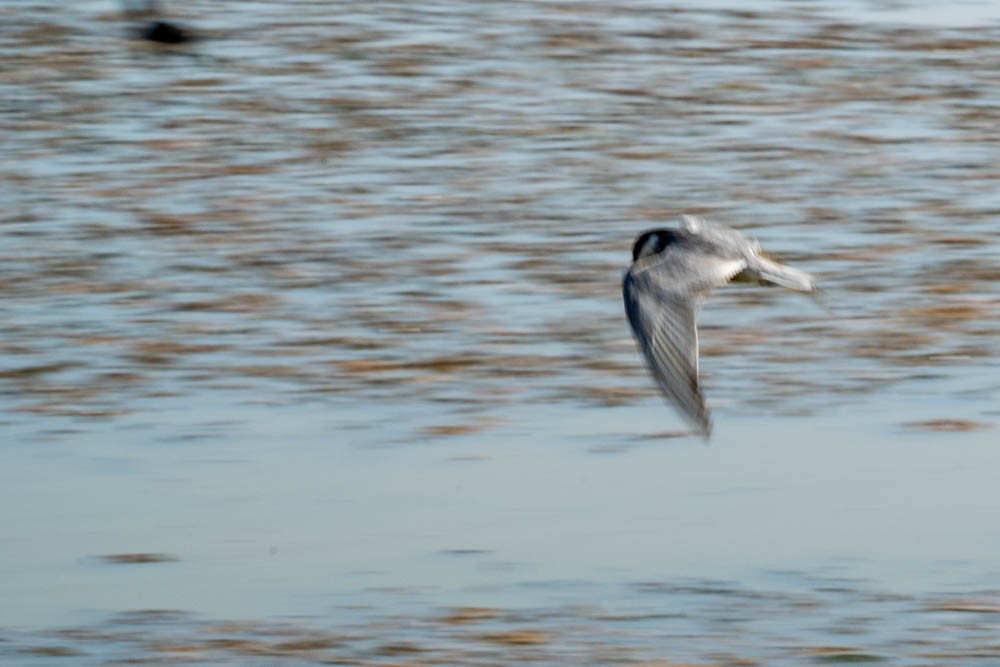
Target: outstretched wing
[662,301]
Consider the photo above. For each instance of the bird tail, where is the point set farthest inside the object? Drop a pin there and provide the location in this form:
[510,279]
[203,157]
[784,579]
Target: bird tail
[779,274]
[774,273]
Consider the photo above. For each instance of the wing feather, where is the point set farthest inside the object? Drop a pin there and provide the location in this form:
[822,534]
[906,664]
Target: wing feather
[662,300]
[667,336]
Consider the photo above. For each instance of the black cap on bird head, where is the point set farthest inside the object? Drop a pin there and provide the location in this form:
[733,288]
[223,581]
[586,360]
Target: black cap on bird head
[653,241]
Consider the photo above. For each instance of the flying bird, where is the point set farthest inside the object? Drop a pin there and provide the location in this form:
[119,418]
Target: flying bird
[673,271]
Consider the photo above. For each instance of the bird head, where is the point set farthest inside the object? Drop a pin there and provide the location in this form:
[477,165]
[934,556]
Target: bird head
[653,242]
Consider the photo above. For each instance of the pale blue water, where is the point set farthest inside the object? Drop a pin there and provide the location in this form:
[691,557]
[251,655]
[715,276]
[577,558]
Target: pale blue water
[273,517]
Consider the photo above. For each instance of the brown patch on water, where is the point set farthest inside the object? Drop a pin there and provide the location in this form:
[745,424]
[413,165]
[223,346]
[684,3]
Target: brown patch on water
[466,615]
[949,313]
[438,430]
[517,637]
[841,654]
[139,558]
[948,425]
[51,651]
[966,606]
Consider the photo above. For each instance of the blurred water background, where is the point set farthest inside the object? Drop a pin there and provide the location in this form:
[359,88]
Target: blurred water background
[313,346]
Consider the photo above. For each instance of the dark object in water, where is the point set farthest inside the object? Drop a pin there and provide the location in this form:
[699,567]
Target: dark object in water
[144,15]
[138,558]
[164,33]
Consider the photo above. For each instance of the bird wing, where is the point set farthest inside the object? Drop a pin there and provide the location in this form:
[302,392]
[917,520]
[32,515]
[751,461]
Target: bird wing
[662,299]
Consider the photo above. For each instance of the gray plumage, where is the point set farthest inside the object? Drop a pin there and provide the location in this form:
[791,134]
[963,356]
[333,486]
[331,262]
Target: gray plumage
[672,273]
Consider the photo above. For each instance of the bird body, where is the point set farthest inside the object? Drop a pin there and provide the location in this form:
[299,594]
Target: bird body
[673,271]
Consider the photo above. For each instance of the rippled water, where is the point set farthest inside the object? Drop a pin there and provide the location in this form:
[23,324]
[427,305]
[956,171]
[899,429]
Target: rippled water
[326,310]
